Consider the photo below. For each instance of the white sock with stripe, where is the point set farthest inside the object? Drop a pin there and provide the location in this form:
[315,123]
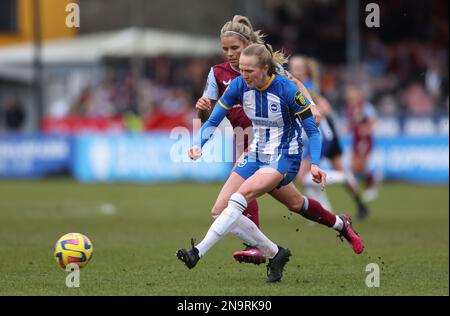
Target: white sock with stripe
[223,223]
[247,230]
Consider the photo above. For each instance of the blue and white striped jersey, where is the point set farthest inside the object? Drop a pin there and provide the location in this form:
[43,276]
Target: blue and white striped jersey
[273,111]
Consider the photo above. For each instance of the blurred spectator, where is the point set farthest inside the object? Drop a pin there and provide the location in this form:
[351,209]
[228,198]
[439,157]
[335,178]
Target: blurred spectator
[417,101]
[13,115]
[102,99]
[388,105]
[84,103]
[434,79]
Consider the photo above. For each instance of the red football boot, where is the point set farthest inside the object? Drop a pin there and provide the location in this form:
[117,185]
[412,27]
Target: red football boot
[350,235]
[250,255]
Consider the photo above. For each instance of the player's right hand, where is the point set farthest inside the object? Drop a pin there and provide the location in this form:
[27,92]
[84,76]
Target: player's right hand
[318,176]
[203,104]
[194,152]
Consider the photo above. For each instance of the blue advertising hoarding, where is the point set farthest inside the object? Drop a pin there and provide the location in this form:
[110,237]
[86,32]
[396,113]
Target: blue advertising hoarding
[31,156]
[406,158]
[145,158]
[155,157]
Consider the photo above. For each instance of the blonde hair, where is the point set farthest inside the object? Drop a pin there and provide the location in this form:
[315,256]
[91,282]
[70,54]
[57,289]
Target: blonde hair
[241,26]
[266,56]
[314,71]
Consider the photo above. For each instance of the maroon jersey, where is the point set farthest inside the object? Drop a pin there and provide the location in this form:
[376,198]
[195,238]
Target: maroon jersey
[223,74]
[359,117]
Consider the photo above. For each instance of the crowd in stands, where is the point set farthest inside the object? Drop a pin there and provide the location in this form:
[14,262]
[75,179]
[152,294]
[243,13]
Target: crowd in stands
[403,68]
[404,63]
[162,94]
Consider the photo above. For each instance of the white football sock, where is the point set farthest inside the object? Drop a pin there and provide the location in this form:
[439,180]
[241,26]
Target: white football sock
[243,234]
[351,180]
[315,192]
[247,230]
[339,224]
[335,177]
[222,225]
[210,239]
[211,236]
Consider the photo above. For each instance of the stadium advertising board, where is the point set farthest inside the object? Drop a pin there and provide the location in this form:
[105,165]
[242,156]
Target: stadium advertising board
[29,156]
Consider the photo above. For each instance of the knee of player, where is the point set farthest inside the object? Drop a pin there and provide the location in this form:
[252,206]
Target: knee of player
[295,205]
[216,210]
[247,194]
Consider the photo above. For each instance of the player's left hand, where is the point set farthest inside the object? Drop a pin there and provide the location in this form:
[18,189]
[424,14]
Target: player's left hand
[323,105]
[316,114]
[318,176]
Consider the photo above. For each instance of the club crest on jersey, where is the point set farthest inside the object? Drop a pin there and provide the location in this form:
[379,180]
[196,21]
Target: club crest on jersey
[300,99]
[273,107]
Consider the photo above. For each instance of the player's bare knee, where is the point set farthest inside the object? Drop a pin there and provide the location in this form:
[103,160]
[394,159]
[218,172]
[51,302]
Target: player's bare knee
[247,193]
[295,204]
[216,210]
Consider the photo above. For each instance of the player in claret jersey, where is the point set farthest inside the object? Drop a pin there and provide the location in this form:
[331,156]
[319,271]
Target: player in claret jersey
[362,118]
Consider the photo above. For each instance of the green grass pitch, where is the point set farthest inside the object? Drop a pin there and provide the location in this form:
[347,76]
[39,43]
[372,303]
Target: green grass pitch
[136,229]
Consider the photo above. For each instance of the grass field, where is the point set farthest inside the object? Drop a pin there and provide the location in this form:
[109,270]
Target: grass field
[136,230]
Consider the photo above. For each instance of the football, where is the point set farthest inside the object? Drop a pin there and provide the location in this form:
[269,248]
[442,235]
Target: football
[73,248]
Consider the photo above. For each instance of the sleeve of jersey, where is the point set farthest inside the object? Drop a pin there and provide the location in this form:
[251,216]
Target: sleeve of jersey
[210,125]
[302,106]
[298,102]
[221,109]
[315,141]
[211,89]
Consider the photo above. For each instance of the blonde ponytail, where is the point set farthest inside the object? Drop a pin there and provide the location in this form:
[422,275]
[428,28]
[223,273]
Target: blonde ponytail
[266,56]
[241,26]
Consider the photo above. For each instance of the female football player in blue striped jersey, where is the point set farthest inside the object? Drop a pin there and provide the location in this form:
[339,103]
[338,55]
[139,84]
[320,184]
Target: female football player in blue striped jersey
[235,35]
[278,111]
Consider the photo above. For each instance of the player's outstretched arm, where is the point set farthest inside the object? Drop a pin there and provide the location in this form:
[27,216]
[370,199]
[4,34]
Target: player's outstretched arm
[207,131]
[315,147]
